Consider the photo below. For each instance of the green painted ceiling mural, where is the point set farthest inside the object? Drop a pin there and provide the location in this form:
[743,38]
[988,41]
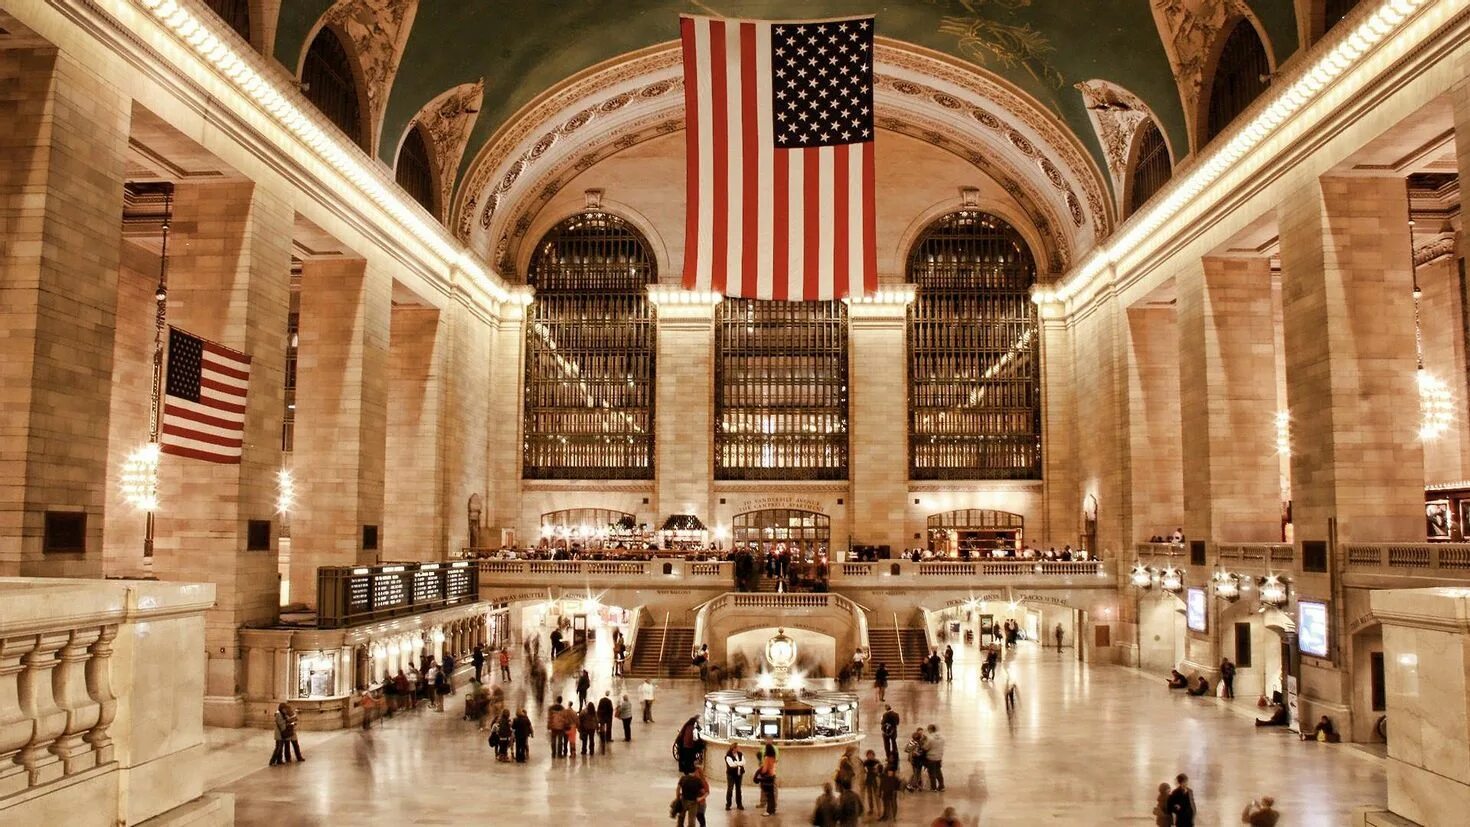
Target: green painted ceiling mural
[523,47]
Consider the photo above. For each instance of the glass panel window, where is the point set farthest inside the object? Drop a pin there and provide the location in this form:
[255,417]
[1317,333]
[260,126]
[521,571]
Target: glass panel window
[590,344]
[415,173]
[328,82]
[1241,75]
[781,390]
[974,383]
[1153,168]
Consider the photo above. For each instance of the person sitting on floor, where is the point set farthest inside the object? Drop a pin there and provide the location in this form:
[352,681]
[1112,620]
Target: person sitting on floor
[1325,731]
[1201,688]
[1177,681]
[1280,717]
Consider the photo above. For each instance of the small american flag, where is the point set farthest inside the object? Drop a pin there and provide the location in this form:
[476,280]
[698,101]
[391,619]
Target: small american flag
[780,158]
[204,402]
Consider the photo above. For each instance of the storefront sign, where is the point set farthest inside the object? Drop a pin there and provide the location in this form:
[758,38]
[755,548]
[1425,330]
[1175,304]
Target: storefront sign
[768,503]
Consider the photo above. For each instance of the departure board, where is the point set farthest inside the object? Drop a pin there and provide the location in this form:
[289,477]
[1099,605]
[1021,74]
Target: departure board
[347,595]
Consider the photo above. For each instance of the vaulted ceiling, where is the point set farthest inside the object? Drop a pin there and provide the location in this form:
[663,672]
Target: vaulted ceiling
[1154,50]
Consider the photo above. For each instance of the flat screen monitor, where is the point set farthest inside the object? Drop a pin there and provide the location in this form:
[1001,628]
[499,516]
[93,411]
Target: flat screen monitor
[771,728]
[1311,628]
[1194,608]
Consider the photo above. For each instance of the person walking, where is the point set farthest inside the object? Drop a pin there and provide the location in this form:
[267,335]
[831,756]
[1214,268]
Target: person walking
[880,681]
[934,758]
[915,751]
[734,776]
[477,659]
[687,793]
[505,664]
[1058,634]
[587,729]
[872,781]
[645,691]
[281,754]
[556,725]
[521,729]
[584,685]
[766,775]
[889,726]
[824,812]
[1227,677]
[624,713]
[888,789]
[948,662]
[1162,816]
[1181,802]
[1261,813]
[604,721]
[687,745]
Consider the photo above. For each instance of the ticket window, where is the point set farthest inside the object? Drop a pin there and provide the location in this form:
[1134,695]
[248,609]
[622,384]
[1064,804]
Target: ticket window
[316,675]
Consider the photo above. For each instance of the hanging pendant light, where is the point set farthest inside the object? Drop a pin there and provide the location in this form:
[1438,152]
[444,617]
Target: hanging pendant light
[1436,403]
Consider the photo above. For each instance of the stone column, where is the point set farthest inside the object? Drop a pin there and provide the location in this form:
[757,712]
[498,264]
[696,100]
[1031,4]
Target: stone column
[1156,452]
[341,415]
[507,373]
[466,419]
[413,514]
[878,433]
[1061,515]
[229,282]
[62,154]
[1227,393]
[684,404]
[1426,646]
[1350,364]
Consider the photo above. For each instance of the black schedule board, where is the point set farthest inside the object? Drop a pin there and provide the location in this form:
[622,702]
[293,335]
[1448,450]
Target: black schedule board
[348,595]
[390,590]
[458,583]
[359,595]
[428,586]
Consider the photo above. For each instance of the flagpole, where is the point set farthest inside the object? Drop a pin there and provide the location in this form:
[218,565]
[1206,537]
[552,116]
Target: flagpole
[160,321]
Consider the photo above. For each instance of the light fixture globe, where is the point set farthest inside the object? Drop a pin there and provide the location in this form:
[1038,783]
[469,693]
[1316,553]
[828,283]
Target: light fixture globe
[1226,585]
[781,655]
[1171,579]
[1141,577]
[1273,591]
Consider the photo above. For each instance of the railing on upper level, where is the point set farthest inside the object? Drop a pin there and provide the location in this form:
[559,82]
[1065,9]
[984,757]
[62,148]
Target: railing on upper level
[931,574]
[780,601]
[1160,549]
[1450,558]
[1273,553]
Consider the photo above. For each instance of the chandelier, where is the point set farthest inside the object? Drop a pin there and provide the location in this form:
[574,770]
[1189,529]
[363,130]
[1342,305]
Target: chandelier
[1436,404]
[1171,579]
[285,491]
[1141,577]
[140,478]
[1227,585]
[1273,591]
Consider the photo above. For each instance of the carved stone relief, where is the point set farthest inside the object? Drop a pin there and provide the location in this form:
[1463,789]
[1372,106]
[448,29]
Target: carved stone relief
[448,119]
[378,31]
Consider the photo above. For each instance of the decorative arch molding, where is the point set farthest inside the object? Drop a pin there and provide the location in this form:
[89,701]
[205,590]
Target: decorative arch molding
[377,32]
[546,219]
[447,121]
[1193,32]
[623,102]
[1119,117]
[1041,250]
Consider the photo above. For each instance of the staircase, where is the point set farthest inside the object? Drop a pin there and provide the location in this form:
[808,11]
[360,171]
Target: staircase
[883,645]
[675,662]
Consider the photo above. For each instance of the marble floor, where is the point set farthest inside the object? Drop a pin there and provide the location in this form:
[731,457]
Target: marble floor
[1087,746]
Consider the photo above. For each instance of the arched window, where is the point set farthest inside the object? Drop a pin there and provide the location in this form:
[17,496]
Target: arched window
[329,84]
[1241,75]
[974,382]
[234,12]
[414,171]
[1151,166]
[590,353]
[1333,11]
[781,390]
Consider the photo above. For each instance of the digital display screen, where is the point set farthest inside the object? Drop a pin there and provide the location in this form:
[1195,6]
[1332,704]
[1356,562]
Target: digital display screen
[1311,628]
[1194,609]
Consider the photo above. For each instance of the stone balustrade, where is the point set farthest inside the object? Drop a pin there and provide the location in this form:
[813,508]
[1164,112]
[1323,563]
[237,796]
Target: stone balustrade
[1443,559]
[102,701]
[1276,554]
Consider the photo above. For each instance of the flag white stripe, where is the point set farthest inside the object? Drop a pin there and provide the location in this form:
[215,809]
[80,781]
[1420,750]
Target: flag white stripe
[213,374]
[795,223]
[855,269]
[186,407]
[224,452]
[826,215]
[204,428]
[765,148]
[706,128]
[735,170]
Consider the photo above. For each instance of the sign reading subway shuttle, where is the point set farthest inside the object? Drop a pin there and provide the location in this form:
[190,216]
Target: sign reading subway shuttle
[349,595]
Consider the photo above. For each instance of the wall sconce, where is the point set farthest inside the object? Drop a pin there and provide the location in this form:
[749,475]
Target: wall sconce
[1141,577]
[1227,585]
[1273,591]
[1172,579]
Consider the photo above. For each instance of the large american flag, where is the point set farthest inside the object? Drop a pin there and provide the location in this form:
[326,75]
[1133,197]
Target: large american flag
[204,401]
[780,142]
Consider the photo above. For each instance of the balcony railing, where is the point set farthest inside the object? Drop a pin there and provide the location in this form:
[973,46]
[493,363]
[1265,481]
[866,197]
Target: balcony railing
[1407,557]
[1275,553]
[1160,549]
[860,575]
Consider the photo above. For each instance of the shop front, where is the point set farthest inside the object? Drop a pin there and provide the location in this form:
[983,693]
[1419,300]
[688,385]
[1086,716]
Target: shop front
[975,532]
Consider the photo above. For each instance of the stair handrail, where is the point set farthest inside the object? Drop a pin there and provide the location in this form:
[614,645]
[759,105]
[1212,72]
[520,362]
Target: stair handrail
[663,640]
[898,636]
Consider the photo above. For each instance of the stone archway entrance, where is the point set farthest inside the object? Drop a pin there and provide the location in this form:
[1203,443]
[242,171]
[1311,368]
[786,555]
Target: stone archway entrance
[797,530]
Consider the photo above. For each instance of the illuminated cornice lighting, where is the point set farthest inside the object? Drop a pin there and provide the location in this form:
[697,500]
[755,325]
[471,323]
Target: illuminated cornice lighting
[895,294]
[140,478]
[662,296]
[348,161]
[1310,83]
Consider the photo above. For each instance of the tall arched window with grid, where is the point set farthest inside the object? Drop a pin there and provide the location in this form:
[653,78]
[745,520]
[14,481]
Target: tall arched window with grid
[329,83]
[974,373]
[415,171]
[590,345]
[1152,167]
[1242,73]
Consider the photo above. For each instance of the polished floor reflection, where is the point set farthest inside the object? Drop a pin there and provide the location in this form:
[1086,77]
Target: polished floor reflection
[1086,746]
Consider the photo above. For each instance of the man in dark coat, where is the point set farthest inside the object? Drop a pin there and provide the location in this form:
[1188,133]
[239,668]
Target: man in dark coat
[604,720]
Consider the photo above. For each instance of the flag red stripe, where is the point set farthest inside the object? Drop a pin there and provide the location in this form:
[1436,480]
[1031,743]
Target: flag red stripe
[195,416]
[171,429]
[749,128]
[719,108]
[780,224]
[180,451]
[870,224]
[840,175]
[229,390]
[691,167]
[811,212]
[224,352]
[216,403]
[234,373]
